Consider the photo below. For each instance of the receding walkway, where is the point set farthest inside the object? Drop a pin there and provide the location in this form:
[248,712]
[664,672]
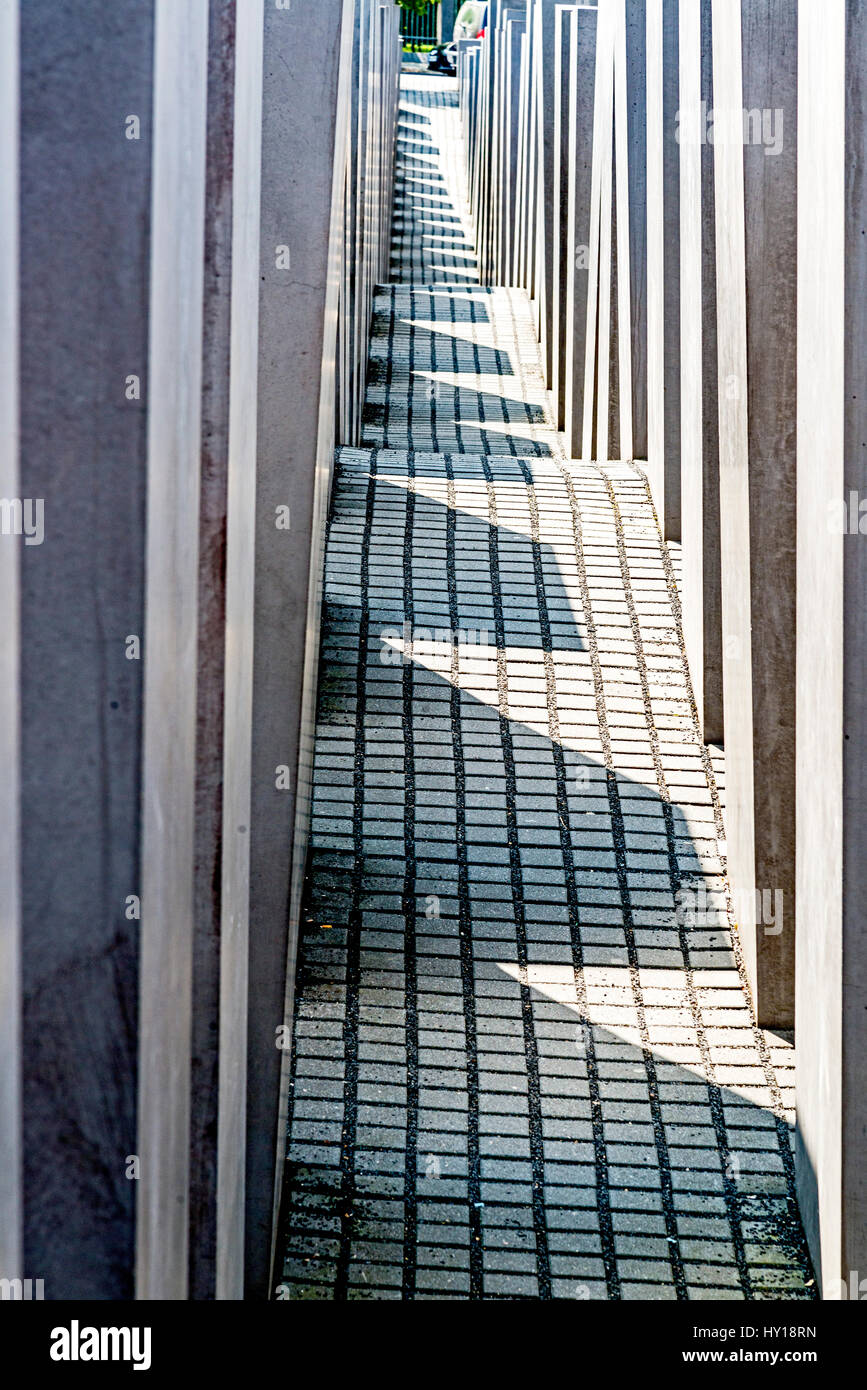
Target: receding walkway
[524,1061]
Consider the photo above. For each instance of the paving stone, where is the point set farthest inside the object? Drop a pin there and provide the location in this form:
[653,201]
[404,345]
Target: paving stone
[498,839]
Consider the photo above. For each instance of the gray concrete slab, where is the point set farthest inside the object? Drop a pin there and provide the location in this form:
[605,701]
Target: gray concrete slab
[601,320]
[240,580]
[831,969]
[11,1149]
[176,331]
[560,253]
[83,336]
[303,140]
[531,218]
[580,319]
[663,265]
[161,857]
[631,122]
[702,623]
[755,188]
[545,196]
[211,723]
[514,41]
[520,258]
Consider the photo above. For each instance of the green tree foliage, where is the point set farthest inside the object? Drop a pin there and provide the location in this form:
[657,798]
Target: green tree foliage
[416,6]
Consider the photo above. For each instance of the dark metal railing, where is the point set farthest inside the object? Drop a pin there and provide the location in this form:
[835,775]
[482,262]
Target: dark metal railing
[419,28]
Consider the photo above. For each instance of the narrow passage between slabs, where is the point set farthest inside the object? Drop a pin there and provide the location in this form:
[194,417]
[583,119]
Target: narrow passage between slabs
[524,1060]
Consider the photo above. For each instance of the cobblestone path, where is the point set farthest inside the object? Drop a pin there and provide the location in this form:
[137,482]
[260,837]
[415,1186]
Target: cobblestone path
[524,1061]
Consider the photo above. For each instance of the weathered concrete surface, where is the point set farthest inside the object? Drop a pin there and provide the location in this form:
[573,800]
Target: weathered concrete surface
[831,959]
[211,663]
[11,1152]
[563,77]
[544,196]
[663,265]
[240,579]
[520,269]
[757,410]
[529,279]
[142,372]
[176,332]
[770,59]
[631,94]
[304,126]
[85,198]
[513,44]
[578,225]
[486,178]
[702,621]
[599,394]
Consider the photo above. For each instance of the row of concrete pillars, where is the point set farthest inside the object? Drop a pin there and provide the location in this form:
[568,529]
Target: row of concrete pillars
[680,185]
[194,209]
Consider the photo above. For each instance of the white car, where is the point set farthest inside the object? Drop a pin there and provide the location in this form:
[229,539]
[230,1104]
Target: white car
[471,19]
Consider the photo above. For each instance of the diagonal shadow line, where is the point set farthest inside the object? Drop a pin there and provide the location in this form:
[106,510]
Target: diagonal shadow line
[773,1212]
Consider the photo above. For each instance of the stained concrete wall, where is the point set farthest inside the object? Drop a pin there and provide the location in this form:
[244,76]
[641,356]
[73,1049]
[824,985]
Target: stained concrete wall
[11,1147]
[170,647]
[299,114]
[563,78]
[240,587]
[580,315]
[513,41]
[770,175]
[663,265]
[512,96]
[84,270]
[531,118]
[210,712]
[305,126]
[523,210]
[756,236]
[699,451]
[831,961]
[177,396]
[500,144]
[544,197]
[631,112]
[754,158]
[600,400]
